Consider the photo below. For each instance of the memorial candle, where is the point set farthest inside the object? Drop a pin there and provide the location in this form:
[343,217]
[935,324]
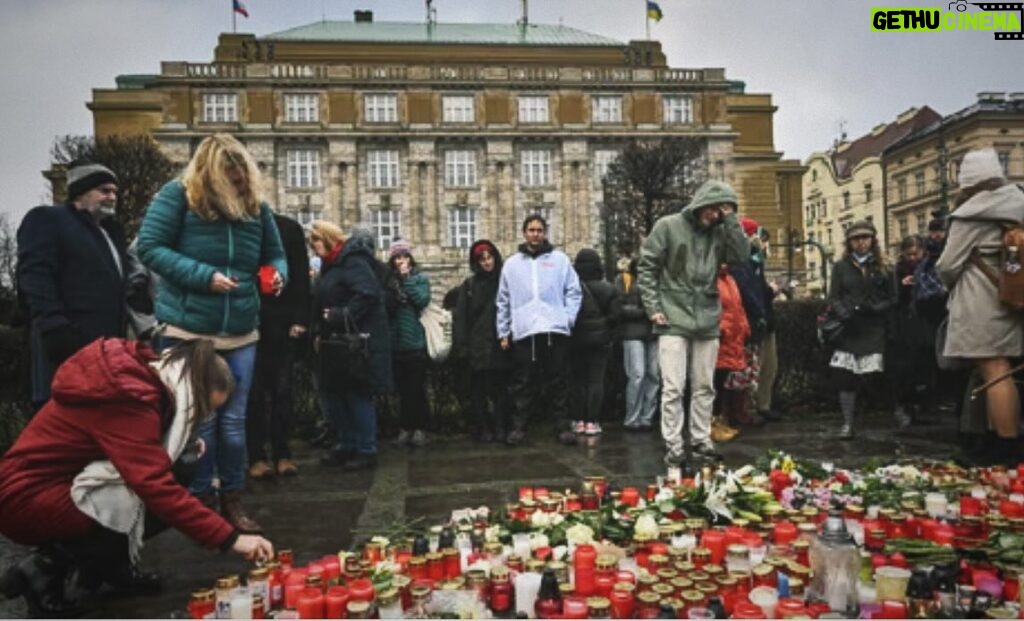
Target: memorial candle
[714,540]
[335,602]
[311,604]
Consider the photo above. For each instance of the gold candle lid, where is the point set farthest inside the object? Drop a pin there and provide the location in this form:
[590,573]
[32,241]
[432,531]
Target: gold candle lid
[714,570]
[681,584]
[227,582]
[417,561]
[499,573]
[259,573]
[433,557]
[707,587]
[666,573]
[649,597]
[203,595]
[692,596]
[535,565]
[662,590]
[699,576]
[624,586]
[605,562]
[387,597]
[764,569]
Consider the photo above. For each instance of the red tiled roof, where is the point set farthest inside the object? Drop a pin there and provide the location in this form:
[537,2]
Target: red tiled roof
[873,144]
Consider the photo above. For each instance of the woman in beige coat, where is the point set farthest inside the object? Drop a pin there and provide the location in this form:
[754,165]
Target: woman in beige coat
[980,327]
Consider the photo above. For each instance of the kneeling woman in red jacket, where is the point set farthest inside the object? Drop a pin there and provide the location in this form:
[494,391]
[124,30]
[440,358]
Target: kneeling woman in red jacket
[117,410]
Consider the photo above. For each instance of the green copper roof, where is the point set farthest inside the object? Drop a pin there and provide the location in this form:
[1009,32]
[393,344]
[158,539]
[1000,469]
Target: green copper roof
[467,34]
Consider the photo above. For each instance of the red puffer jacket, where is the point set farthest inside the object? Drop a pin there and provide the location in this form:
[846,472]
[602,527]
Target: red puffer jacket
[734,327]
[107,403]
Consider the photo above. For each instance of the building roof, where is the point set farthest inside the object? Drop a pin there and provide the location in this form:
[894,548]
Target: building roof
[419,32]
[872,145]
[1013,105]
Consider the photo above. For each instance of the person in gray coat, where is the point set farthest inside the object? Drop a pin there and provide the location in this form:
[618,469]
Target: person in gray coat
[980,327]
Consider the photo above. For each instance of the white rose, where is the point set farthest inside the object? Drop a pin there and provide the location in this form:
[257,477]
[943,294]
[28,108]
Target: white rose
[558,553]
[579,534]
[646,526]
[491,533]
[538,540]
[540,519]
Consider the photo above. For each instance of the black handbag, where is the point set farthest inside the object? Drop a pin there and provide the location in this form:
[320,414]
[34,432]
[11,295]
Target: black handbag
[830,326]
[345,357]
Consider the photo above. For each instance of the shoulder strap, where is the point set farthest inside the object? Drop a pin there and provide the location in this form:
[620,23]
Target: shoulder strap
[975,259]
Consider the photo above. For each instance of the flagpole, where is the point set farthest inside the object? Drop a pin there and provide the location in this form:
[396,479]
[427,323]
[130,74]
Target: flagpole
[234,18]
[647,17]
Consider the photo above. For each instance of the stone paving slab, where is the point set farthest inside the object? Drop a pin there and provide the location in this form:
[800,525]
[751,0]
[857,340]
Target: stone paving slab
[324,509]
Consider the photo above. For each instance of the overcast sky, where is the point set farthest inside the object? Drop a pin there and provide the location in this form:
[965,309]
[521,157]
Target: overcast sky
[818,58]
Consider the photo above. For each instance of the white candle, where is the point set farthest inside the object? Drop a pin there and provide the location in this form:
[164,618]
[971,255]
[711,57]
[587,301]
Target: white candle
[241,604]
[527,586]
[935,504]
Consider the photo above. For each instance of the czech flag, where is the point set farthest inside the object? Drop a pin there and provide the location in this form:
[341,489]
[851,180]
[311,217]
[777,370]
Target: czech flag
[240,8]
[653,11]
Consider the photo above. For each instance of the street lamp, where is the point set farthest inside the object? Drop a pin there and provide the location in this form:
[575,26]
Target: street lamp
[825,256]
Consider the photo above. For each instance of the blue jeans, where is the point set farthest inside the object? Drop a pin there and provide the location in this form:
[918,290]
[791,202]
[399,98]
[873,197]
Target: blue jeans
[642,379]
[224,434]
[355,419]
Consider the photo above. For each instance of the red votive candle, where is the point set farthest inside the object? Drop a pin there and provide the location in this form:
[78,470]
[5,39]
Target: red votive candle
[291,594]
[1011,509]
[311,604]
[943,534]
[785,532]
[360,590]
[630,496]
[714,540]
[335,602]
[623,604]
[332,567]
[969,505]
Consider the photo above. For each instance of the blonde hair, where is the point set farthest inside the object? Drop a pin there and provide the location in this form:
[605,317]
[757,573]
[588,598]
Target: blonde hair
[209,190]
[328,232]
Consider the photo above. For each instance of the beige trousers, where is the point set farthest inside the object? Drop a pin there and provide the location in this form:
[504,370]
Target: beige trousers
[681,359]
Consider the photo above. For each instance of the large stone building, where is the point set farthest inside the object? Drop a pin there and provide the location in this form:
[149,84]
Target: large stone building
[442,133]
[921,170]
[843,185]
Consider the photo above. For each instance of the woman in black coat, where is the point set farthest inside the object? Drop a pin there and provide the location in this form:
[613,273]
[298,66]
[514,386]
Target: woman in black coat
[591,342]
[348,295]
[862,295]
[475,342]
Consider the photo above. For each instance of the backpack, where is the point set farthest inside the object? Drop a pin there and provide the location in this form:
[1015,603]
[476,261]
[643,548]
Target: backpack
[1008,279]
[592,327]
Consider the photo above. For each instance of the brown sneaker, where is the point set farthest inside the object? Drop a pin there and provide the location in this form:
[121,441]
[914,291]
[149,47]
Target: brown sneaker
[232,510]
[261,470]
[287,468]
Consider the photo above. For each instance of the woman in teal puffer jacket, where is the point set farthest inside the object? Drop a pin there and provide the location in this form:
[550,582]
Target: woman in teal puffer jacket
[207,236]
[408,292]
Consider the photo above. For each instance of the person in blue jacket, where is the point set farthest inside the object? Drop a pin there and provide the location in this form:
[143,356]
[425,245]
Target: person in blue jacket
[207,235]
[539,296]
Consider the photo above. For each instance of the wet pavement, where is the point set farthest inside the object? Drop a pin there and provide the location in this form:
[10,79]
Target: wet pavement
[323,509]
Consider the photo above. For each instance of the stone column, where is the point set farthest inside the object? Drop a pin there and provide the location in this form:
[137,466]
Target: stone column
[491,207]
[433,206]
[413,210]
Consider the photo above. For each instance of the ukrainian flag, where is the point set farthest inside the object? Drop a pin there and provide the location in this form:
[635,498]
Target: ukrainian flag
[654,11]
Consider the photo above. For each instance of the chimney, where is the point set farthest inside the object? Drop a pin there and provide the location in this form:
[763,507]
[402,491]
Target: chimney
[364,17]
[991,96]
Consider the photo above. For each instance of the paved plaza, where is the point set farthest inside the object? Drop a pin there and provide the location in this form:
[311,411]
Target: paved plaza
[324,509]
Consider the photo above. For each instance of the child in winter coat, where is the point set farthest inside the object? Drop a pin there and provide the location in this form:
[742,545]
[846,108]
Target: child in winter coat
[730,392]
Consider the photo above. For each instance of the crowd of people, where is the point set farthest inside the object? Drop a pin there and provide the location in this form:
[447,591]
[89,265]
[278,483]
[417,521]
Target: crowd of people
[161,370]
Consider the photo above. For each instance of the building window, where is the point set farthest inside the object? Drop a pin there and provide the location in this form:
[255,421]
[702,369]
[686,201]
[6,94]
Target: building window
[536,166]
[304,108]
[307,216]
[846,200]
[460,169]
[220,108]
[461,227]
[457,109]
[954,171]
[901,188]
[303,168]
[824,208]
[922,223]
[382,168]
[602,160]
[919,183]
[386,224]
[904,227]
[1004,161]
[814,174]
[380,108]
[829,231]
[607,109]
[868,192]
[678,109]
[533,109]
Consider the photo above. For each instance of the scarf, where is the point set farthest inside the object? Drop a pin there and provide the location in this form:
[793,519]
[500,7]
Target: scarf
[99,491]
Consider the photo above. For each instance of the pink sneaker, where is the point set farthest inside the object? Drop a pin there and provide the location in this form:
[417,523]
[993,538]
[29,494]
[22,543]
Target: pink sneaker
[593,429]
[579,427]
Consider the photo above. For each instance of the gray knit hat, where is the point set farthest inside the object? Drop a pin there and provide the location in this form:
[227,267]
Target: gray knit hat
[861,227]
[85,177]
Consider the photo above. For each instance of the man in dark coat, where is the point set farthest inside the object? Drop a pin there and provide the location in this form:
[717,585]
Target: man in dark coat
[283,321]
[71,272]
[475,341]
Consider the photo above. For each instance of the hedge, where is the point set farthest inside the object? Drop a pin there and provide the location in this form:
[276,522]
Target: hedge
[802,383]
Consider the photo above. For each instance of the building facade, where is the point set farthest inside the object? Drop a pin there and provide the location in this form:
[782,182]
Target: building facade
[844,185]
[443,133]
[921,170]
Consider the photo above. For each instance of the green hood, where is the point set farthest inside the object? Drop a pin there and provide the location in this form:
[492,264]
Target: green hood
[710,193]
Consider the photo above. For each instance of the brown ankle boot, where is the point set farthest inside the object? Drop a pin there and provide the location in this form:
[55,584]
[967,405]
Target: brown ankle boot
[232,510]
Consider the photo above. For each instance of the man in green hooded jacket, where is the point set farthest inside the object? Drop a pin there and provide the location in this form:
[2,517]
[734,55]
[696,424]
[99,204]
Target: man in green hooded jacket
[678,271]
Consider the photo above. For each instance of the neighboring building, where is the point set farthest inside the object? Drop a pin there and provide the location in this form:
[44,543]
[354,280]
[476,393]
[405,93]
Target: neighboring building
[844,185]
[442,133]
[921,170]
